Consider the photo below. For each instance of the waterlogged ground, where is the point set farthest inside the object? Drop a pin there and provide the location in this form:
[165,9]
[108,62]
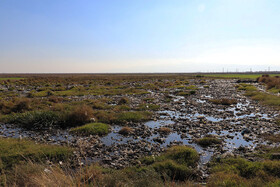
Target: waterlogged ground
[240,127]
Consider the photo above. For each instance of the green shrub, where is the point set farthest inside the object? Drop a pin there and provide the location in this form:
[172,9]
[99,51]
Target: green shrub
[207,141]
[272,168]
[92,129]
[183,155]
[179,154]
[240,166]
[36,119]
[241,172]
[222,179]
[148,160]
[12,151]
[121,108]
[246,87]
[173,170]
[191,87]
[183,93]
[247,169]
[264,98]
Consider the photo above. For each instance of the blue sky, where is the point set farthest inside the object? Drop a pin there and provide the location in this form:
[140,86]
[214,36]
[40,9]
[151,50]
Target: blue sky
[94,36]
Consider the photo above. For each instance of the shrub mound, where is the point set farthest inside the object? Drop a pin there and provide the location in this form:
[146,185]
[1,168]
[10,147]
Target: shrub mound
[177,163]
[236,171]
[126,131]
[78,115]
[164,130]
[36,119]
[208,141]
[92,129]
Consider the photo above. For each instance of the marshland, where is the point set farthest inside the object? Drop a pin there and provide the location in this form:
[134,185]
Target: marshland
[139,130]
[139,93]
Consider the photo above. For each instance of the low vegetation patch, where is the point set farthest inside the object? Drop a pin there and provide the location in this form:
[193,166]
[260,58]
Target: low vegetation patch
[278,122]
[79,115]
[264,98]
[58,117]
[246,87]
[144,107]
[113,117]
[15,105]
[236,171]
[186,93]
[170,169]
[175,167]
[34,174]
[271,137]
[123,101]
[270,81]
[12,151]
[92,129]
[164,130]
[176,163]
[126,131]
[36,119]
[266,152]
[208,141]
[191,87]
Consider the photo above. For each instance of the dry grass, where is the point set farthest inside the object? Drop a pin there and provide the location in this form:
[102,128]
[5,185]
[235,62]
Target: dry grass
[271,137]
[164,130]
[271,82]
[80,115]
[126,131]
[174,170]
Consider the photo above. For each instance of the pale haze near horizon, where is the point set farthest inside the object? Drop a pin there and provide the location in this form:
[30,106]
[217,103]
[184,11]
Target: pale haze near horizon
[125,36]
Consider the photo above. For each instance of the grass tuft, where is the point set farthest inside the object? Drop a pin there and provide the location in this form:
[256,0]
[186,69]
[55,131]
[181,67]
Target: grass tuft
[92,129]
[164,130]
[126,131]
[208,141]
